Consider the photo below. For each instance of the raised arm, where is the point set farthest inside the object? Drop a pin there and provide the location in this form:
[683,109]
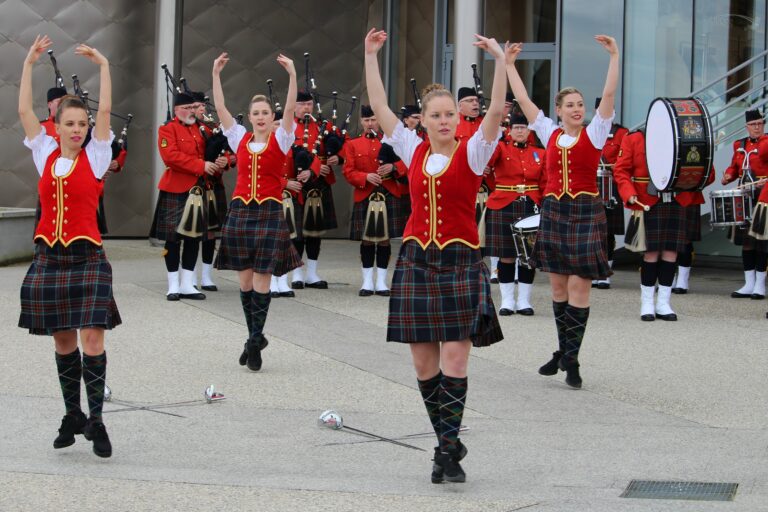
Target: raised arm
[611,78]
[218,92]
[374,40]
[529,108]
[26,110]
[492,119]
[290,101]
[101,129]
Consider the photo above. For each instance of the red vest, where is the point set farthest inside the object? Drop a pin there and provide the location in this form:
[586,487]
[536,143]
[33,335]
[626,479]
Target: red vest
[360,159]
[443,205]
[573,170]
[467,127]
[518,171]
[68,203]
[260,176]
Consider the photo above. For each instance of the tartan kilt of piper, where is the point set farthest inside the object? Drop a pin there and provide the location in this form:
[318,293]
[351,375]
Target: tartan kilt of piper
[68,288]
[221,210]
[256,237]
[441,295]
[498,227]
[326,197]
[396,217]
[168,212]
[693,223]
[298,214]
[665,227]
[615,219]
[572,236]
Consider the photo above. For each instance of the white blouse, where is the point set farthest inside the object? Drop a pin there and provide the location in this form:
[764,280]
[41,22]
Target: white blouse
[236,132]
[597,130]
[99,154]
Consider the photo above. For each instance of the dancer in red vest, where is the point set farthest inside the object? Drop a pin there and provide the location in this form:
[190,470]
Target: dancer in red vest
[68,287]
[572,234]
[441,294]
[255,240]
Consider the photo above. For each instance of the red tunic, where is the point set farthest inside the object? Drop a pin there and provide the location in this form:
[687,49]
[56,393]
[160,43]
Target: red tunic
[314,133]
[182,149]
[757,161]
[360,159]
[260,176]
[468,126]
[571,170]
[68,203]
[50,128]
[613,143]
[518,170]
[443,205]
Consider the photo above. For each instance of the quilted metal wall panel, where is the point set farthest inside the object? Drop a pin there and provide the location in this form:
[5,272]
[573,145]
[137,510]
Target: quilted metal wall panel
[253,33]
[124,32]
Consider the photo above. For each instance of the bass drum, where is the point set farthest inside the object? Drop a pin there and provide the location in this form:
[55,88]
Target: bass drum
[679,147]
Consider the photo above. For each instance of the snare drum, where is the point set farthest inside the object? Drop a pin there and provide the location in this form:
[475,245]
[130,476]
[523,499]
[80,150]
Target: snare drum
[524,236]
[730,207]
[605,185]
[678,144]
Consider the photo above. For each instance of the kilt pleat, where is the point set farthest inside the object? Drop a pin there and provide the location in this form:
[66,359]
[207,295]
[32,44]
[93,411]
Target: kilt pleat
[255,236]
[168,212]
[693,223]
[396,217]
[68,288]
[441,295]
[498,230]
[665,227]
[615,219]
[572,236]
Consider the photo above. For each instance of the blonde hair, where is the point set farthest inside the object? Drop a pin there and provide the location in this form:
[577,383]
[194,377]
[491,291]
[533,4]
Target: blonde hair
[69,101]
[565,92]
[432,91]
[258,99]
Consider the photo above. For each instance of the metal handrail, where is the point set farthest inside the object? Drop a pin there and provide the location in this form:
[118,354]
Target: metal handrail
[731,71]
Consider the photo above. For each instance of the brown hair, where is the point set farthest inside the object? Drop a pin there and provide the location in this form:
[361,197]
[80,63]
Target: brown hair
[565,92]
[258,99]
[432,91]
[69,101]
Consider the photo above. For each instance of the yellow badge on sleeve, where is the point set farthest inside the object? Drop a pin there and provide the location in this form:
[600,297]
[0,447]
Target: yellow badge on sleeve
[620,151]
[164,143]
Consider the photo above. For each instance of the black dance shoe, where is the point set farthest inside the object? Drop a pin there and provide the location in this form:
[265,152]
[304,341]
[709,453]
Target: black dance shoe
[506,312]
[173,297]
[71,424]
[95,431]
[318,285]
[254,347]
[446,467]
[289,293]
[679,291]
[210,288]
[551,367]
[244,356]
[297,285]
[365,293]
[571,369]
[525,311]
[437,470]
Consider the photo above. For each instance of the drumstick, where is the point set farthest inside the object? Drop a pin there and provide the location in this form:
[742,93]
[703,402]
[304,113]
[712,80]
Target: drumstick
[754,184]
[645,207]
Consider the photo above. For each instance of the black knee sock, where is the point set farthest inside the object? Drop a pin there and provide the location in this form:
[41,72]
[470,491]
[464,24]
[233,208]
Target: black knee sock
[749,259]
[576,326]
[189,253]
[453,395]
[94,375]
[611,246]
[383,253]
[259,310]
[246,300]
[761,261]
[208,246]
[649,272]
[666,272]
[525,275]
[367,255]
[559,309]
[313,247]
[70,369]
[685,257]
[506,272]
[430,393]
[172,256]
[299,245]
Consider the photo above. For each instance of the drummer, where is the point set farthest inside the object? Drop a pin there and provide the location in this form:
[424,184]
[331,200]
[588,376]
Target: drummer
[750,157]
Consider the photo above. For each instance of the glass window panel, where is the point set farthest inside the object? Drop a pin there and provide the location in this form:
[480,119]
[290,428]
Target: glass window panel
[531,21]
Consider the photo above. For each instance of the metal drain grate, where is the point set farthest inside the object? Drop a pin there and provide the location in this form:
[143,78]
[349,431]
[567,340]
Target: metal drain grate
[666,490]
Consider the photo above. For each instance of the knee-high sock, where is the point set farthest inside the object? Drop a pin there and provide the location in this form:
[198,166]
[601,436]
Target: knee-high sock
[189,253]
[383,253]
[453,395]
[611,245]
[94,374]
[430,393]
[367,255]
[313,247]
[299,245]
[685,257]
[208,247]
[70,368]
[259,310]
[559,309]
[761,261]
[246,300]
[576,326]
[649,272]
[666,272]
[506,272]
[172,256]
[525,275]
[749,259]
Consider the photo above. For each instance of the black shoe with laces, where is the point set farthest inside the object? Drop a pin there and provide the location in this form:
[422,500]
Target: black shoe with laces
[95,431]
[71,424]
[244,356]
[437,470]
[449,463]
[550,367]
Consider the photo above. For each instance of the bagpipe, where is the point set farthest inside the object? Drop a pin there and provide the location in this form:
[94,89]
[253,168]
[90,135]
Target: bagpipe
[376,227]
[479,90]
[420,130]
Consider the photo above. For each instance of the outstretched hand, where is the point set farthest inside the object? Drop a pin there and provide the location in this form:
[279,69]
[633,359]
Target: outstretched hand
[490,45]
[374,41]
[608,43]
[40,45]
[511,52]
[220,62]
[287,64]
[91,54]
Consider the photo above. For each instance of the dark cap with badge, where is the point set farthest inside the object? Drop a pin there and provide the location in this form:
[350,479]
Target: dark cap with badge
[466,92]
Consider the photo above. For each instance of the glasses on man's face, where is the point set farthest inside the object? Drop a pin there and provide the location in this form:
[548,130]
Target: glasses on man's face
[519,127]
[756,124]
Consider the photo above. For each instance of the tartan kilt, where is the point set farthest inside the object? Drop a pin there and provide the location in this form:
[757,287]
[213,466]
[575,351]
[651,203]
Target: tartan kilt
[404,207]
[256,237]
[615,219]
[168,212]
[68,288]
[739,235]
[221,210]
[498,227]
[441,295]
[396,217]
[665,227]
[572,237]
[326,197]
[693,223]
